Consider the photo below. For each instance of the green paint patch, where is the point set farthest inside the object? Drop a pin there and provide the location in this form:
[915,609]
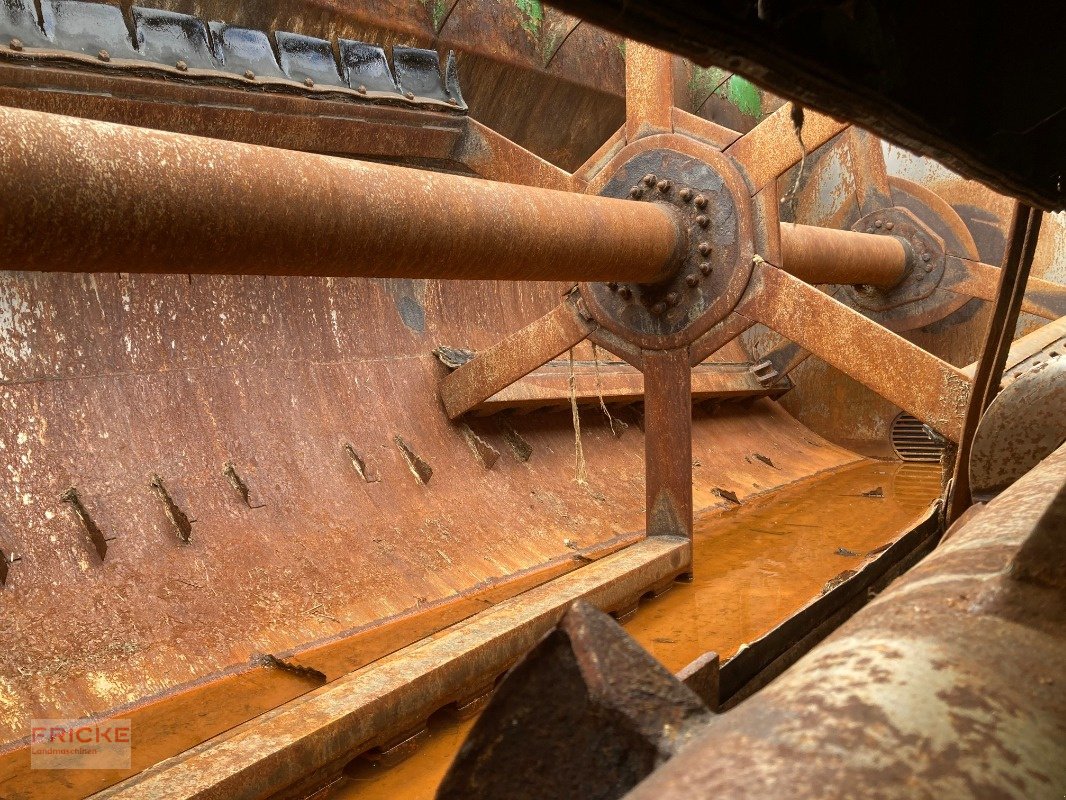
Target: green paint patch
[533,13]
[551,45]
[704,82]
[745,96]
[438,9]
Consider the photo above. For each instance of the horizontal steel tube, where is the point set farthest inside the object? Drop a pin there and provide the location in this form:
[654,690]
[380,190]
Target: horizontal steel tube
[826,255]
[85,196]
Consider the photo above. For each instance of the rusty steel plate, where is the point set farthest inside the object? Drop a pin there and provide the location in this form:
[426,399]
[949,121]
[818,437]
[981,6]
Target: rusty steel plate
[345,547]
[704,190]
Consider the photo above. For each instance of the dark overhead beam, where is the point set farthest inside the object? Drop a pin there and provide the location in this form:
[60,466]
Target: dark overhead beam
[978,88]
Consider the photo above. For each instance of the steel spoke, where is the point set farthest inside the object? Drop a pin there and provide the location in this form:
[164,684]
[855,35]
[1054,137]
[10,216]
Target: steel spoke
[649,91]
[1042,298]
[872,190]
[702,129]
[668,442]
[772,148]
[495,157]
[598,160]
[718,337]
[512,358]
[901,372]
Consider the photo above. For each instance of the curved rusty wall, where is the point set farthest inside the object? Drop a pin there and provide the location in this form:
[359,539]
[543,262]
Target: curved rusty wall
[107,381]
[520,63]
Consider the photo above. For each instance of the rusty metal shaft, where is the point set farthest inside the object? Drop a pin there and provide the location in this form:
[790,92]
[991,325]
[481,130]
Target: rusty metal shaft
[826,255]
[81,195]
[85,196]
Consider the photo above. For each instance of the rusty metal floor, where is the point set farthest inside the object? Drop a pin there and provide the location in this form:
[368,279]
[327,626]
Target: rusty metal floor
[759,563]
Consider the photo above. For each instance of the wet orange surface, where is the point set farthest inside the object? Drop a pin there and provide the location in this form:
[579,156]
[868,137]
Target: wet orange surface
[755,565]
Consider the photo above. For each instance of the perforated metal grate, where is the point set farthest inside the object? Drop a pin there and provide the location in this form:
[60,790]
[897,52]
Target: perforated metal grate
[912,442]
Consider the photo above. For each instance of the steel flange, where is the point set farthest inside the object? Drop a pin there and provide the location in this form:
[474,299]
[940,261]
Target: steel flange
[933,232]
[704,191]
[925,262]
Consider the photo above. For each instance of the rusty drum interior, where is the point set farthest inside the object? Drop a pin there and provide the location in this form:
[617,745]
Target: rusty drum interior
[485,399]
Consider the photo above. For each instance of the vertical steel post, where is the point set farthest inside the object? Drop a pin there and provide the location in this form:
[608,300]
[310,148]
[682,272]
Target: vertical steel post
[668,442]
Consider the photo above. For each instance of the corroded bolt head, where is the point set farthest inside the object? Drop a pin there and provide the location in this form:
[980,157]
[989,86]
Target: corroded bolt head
[649,180]
[878,223]
[361,89]
[636,192]
[309,82]
[673,298]
[249,74]
[702,221]
[182,66]
[704,248]
[890,225]
[612,286]
[16,44]
[452,101]
[103,55]
[658,308]
[686,194]
[409,95]
[926,257]
[692,280]
[625,292]
[705,268]
[663,186]
[701,201]
[927,267]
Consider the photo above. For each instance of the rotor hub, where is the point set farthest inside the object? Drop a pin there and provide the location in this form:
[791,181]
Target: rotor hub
[925,261]
[708,199]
